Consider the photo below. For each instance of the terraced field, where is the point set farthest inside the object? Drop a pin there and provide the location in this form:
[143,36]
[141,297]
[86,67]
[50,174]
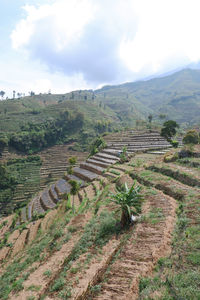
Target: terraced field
[33,176]
[83,254]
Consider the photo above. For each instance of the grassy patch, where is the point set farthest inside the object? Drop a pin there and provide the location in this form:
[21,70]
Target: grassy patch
[178,276]
[96,234]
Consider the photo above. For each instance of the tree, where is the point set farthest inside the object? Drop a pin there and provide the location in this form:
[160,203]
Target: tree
[75,187]
[162,116]
[191,137]
[72,162]
[169,129]
[72,96]
[150,117]
[31,93]
[2,93]
[129,200]
[14,92]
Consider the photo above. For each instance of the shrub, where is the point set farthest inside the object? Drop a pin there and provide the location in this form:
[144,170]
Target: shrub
[98,145]
[170,157]
[174,143]
[129,200]
[191,137]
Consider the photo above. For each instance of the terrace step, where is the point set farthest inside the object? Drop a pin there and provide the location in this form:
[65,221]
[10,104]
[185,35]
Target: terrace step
[106,161]
[73,177]
[89,191]
[157,152]
[110,175]
[23,215]
[135,145]
[133,142]
[107,156]
[53,194]
[46,201]
[93,168]
[37,206]
[98,163]
[84,174]
[112,152]
[30,210]
[62,187]
[81,195]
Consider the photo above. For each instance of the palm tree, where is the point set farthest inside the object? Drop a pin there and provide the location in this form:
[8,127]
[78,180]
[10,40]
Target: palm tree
[129,200]
[75,187]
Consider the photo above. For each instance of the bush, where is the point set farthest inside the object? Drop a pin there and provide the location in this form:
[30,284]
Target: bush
[187,151]
[174,143]
[97,146]
[191,137]
[170,157]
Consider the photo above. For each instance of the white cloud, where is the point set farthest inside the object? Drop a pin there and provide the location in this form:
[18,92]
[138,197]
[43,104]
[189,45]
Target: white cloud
[110,40]
[79,36]
[24,76]
[167,36]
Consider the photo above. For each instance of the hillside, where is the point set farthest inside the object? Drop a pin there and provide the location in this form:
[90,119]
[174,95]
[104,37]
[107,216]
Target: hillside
[176,95]
[82,253]
[33,123]
[29,125]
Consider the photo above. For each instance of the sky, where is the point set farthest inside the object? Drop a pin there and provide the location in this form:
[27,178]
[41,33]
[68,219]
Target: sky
[64,45]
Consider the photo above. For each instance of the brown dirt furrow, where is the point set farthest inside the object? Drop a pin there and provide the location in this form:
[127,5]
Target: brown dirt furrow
[20,242]
[33,230]
[3,253]
[137,258]
[48,219]
[14,236]
[95,271]
[5,228]
[54,264]
[6,250]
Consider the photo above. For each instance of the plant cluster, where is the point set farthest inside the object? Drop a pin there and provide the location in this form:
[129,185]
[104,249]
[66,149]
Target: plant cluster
[191,137]
[129,200]
[97,146]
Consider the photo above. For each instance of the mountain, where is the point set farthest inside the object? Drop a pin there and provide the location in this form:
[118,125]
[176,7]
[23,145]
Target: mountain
[176,95]
[32,123]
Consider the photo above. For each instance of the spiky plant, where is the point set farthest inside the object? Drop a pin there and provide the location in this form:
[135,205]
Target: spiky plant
[129,200]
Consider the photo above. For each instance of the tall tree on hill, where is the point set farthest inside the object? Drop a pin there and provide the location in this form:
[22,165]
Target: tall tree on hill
[14,92]
[169,129]
[150,117]
[31,93]
[2,93]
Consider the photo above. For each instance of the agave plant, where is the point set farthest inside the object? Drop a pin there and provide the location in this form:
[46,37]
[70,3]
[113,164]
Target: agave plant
[129,200]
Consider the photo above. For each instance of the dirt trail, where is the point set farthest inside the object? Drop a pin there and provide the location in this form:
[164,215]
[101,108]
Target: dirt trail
[55,262]
[150,241]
